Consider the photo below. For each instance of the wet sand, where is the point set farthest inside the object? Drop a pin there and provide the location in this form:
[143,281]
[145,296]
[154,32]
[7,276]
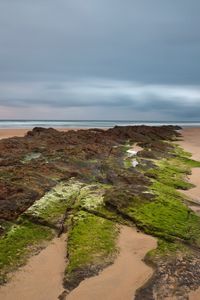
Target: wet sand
[120,280]
[191,143]
[41,278]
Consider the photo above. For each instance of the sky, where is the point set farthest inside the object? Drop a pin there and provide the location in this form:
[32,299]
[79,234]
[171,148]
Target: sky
[100,59]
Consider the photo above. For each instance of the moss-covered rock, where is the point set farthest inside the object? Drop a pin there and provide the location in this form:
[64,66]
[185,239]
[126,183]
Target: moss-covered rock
[17,244]
[91,246]
[85,182]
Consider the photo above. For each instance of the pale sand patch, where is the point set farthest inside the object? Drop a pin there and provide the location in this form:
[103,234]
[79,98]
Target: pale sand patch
[41,278]
[191,143]
[120,280]
[136,148]
[195,295]
[7,133]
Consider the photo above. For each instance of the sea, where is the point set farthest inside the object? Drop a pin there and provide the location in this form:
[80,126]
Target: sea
[88,123]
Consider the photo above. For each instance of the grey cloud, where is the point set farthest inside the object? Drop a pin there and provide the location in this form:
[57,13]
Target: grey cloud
[53,54]
[153,41]
[139,97]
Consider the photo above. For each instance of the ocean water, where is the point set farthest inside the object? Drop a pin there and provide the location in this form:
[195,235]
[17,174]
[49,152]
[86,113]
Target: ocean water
[88,123]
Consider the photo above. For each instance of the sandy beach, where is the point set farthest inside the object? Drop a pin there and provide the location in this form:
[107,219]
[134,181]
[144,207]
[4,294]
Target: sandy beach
[7,133]
[191,143]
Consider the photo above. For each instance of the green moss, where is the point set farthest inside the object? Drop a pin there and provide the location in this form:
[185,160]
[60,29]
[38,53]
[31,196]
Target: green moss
[167,216]
[111,215]
[172,172]
[4,175]
[190,162]
[179,151]
[128,163]
[185,157]
[91,196]
[166,249]
[54,204]
[5,226]
[31,156]
[125,147]
[16,244]
[91,241]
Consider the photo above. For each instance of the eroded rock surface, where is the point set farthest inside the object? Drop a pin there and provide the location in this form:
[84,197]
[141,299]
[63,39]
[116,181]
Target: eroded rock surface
[32,165]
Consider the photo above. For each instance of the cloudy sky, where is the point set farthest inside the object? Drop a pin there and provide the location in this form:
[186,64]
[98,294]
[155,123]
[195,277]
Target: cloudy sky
[100,59]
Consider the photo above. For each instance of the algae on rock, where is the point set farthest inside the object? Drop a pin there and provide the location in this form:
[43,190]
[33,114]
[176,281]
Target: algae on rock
[18,243]
[91,246]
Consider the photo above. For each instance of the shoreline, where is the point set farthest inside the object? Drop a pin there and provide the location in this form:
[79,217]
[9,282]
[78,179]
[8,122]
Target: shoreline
[6,133]
[20,132]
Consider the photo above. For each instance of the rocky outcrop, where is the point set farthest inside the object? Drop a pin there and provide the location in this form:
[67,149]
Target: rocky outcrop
[84,182]
[31,165]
